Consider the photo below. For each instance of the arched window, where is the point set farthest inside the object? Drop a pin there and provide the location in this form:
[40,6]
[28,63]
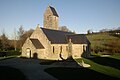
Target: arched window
[60,49]
[53,49]
[84,48]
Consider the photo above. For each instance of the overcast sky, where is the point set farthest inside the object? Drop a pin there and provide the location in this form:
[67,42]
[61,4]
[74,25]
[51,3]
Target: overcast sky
[77,15]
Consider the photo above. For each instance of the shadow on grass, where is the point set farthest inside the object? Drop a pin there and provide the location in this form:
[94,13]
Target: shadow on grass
[107,61]
[8,73]
[62,73]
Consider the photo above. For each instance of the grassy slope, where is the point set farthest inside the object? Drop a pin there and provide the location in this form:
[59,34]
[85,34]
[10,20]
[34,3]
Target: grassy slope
[116,57]
[99,65]
[108,70]
[100,39]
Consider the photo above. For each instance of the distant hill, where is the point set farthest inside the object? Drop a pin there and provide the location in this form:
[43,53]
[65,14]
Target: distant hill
[105,41]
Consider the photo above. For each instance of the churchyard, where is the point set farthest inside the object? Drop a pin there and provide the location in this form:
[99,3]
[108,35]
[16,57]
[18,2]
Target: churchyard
[101,68]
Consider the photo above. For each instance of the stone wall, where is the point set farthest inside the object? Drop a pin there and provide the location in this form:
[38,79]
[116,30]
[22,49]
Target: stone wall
[54,23]
[59,49]
[78,50]
[41,54]
[28,45]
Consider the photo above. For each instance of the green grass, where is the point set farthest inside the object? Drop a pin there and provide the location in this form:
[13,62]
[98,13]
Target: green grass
[64,73]
[100,39]
[117,56]
[8,73]
[8,57]
[102,68]
[10,53]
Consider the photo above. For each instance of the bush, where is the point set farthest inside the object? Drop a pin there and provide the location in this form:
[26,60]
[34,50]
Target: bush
[97,49]
[3,54]
[9,53]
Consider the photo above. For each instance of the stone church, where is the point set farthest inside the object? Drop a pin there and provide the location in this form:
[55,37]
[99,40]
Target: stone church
[53,44]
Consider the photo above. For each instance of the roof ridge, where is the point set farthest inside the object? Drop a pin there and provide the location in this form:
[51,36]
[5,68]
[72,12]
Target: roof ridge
[55,30]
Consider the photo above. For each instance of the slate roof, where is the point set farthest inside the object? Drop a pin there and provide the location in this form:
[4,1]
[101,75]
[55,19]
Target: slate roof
[55,36]
[53,11]
[78,39]
[37,44]
[61,37]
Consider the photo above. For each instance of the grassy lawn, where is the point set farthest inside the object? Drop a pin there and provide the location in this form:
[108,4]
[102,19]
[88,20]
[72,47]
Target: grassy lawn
[8,57]
[104,66]
[8,73]
[101,68]
[77,74]
[116,56]
[9,54]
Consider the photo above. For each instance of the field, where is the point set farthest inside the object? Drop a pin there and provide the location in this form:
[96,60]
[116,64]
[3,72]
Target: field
[104,41]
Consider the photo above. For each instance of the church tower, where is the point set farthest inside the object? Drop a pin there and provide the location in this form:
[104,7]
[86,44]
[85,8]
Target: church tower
[51,18]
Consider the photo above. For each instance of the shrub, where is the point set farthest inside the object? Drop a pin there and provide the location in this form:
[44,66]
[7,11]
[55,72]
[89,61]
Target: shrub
[97,49]
[9,53]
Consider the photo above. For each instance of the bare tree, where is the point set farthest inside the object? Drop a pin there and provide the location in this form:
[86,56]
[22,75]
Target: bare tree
[15,40]
[64,28]
[0,43]
[20,36]
[74,32]
[23,35]
[21,32]
[26,35]
[89,31]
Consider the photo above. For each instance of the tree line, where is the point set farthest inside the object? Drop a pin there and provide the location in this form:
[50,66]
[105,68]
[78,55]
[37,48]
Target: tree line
[15,44]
